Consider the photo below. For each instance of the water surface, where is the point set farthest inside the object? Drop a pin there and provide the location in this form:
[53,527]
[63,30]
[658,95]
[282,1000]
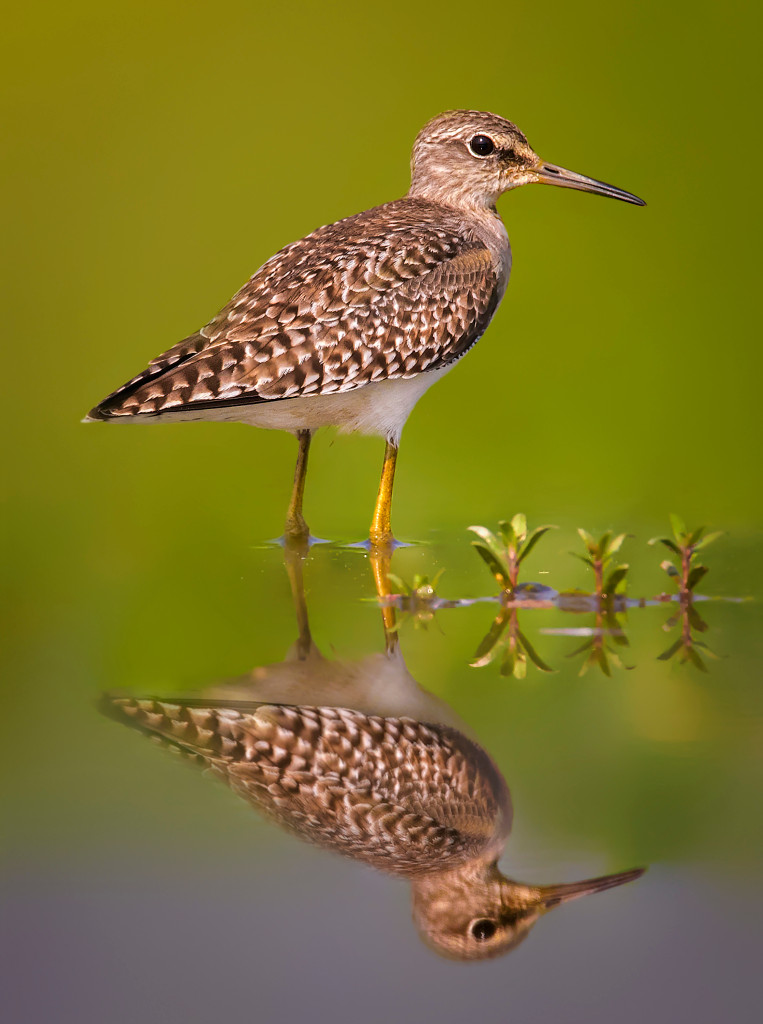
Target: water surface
[135,873]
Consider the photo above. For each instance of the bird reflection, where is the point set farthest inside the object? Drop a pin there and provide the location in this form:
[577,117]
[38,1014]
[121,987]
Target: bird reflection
[356,757]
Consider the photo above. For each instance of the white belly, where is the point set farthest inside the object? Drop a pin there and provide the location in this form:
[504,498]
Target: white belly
[380,409]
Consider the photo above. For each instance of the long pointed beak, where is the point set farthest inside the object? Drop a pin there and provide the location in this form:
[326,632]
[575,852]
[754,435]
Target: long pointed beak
[553,895]
[550,174]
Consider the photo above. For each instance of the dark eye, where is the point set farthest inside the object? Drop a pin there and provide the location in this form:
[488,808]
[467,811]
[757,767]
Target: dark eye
[482,930]
[482,145]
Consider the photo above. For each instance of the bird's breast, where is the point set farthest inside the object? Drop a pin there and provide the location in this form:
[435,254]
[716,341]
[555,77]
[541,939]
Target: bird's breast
[496,238]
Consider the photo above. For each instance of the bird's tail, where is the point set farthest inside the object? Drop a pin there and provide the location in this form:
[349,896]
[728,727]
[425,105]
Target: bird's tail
[116,405]
[208,735]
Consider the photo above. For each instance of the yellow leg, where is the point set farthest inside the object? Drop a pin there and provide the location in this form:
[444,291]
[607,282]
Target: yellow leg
[381,528]
[296,529]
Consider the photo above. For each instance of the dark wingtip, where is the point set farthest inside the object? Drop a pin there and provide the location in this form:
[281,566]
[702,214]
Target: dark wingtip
[105,411]
[94,416]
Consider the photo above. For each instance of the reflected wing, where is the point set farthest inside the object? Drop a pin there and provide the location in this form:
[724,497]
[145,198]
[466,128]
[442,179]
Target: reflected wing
[396,793]
[390,293]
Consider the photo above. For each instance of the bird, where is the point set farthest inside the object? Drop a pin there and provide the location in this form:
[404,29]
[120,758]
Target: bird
[415,799]
[357,758]
[350,325]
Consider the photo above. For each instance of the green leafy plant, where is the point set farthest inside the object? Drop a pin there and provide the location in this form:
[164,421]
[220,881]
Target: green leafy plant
[505,642]
[419,598]
[684,569]
[607,580]
[505,552]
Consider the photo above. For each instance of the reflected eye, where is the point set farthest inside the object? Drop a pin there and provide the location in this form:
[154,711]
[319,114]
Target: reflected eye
[482,145]
[482,929]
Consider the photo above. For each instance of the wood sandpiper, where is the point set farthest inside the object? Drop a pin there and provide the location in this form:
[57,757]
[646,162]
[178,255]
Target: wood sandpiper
[353,323]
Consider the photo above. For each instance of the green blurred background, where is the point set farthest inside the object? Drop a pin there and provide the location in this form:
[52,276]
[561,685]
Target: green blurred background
[155,154]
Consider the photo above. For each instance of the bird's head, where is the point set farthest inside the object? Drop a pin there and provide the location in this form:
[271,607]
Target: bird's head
[470,158]
[475,913]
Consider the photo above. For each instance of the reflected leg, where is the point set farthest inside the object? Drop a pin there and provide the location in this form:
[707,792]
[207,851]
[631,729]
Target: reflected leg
[380,560]
[294,558]
[381,528]
[296,529]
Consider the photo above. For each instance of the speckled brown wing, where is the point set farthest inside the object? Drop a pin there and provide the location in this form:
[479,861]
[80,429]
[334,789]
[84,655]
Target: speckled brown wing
[396,793]
[392,292]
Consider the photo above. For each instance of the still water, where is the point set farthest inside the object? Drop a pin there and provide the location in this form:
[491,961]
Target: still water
[411,799]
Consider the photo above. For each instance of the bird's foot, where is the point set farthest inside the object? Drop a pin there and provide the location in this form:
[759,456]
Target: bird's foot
[378,547]
[297,536]
[382,543]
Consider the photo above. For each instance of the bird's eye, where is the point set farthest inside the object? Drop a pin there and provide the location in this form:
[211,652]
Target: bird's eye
[482,145]
[482,929]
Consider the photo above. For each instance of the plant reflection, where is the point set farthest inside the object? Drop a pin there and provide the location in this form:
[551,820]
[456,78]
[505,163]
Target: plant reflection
[687,647]
[603,640]
[506,643]
[356,757]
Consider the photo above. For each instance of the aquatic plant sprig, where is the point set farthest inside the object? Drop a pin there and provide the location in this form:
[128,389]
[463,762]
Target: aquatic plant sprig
[505,551]
[418,599]
[599,558]
[684,569]
[504,554]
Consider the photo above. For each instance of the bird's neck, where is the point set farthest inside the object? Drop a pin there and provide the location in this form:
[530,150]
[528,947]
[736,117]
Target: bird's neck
[442,189]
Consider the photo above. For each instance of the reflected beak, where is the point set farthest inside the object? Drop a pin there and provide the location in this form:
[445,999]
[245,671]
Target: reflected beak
[550,174]
[553,895]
